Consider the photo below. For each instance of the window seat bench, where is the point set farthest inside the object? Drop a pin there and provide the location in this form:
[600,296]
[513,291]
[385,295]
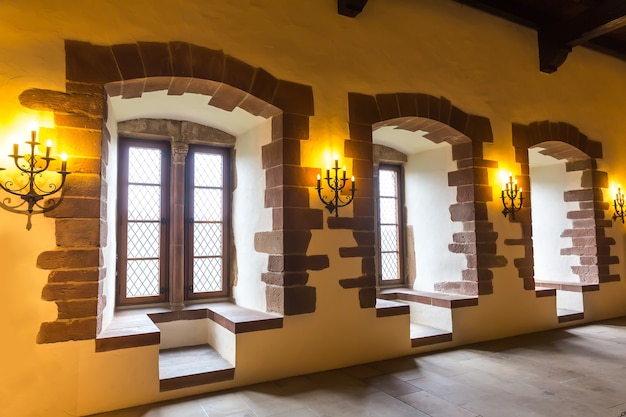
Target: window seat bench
[138,327]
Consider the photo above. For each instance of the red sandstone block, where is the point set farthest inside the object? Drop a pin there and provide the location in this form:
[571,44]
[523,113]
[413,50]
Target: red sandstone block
[407,104]
[75,207]
[479,130]
[207,63]
[263,85]
[65,330]
[358,150]
[579,195]
[227,98]
[360,132]
[294,98]
[290,196]
[69,291]
[363,109]
[73,309]
[72,258]
[354,223]
[367,297]
[594,179]
[73,233]
[357,252]
[281,151]
[85,62]
[295,126]
[285,279]
[360,282]
[258,107]
[368,266]
[179,86]
[580,165]
[467,248]
[295,218]
[75,275]
[156,58]
[387,106]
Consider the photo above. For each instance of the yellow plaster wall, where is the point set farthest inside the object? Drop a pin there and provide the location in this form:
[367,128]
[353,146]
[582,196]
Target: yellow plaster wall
[484,65]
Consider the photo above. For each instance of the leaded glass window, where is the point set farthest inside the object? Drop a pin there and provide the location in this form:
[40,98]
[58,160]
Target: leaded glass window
[390,225]
[207,226]
[142,212]
[147,234]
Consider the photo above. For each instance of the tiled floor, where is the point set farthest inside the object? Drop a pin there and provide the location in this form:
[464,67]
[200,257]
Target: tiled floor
[573,372]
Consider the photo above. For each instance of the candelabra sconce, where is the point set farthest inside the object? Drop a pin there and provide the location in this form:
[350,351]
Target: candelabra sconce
[32,192]
[512,197]
[618,204]
[336,184]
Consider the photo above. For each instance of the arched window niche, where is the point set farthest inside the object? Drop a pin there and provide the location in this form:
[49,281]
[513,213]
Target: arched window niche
[187,119]
[85,116]
[428,230]
[565,236]
[460,186]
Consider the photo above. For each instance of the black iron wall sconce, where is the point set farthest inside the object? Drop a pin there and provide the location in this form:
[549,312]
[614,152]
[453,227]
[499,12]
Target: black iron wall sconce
[512,197]
[30,191]
[618,204]
[336,184]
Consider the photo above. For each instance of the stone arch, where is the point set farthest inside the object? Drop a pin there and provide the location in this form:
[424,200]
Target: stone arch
[76,279]
[466,134]
[589,241]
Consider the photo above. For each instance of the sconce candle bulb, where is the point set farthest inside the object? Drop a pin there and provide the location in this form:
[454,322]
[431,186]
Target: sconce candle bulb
[618,204]
[336,184]
[512,197]
[32,166]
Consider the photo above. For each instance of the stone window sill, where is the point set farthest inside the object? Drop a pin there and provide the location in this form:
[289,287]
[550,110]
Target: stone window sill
[429,298]
[137,327]
[568,286]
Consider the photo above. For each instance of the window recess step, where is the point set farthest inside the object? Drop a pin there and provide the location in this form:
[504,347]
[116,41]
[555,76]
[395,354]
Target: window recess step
[422,335]
[565,315]
[191,366]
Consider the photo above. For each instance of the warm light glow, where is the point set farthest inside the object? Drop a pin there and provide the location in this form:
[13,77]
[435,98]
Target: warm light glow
[64,157]
[49,143]
[33,126]
[504,177]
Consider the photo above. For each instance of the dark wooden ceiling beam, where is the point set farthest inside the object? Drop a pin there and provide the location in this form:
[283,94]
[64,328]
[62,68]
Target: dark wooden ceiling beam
[557,39]
[350,8]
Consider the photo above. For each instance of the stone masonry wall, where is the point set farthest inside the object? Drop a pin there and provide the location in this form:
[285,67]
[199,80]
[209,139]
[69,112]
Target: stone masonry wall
[76,275]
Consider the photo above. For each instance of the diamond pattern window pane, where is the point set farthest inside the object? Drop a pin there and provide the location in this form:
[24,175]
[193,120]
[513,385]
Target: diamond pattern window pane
[207,274]
[389,223]
[143,240]
[388,183]
[388,238]
[208,170]
[144,165]
[207,204]
[388,211]
[144,202]
[389,266]
[207,239]
[142,278]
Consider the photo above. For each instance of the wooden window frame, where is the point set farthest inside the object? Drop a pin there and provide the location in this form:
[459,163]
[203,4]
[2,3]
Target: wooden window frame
[401,226]
[122,221]
[226,154]
[172,282]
